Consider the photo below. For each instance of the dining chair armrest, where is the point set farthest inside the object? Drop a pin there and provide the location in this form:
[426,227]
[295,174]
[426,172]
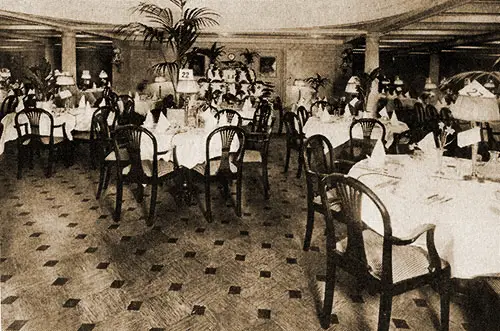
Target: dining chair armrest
[413,236]
[63,126]
[25,125]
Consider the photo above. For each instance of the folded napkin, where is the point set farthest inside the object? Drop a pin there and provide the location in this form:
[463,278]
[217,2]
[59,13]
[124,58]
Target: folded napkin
[428,145]
[81,103]
[347,110]
[407,95]
[88,106]
[161,126]
[232,88]
[246,105]
[324,99]
[394,119]
[209,120]
[20,105]
[94,86]
[377,159]
[353,101]
[31,92]
[11,92]
[137,97]
[103,103]
[383,113]
[121,107]
[130,94]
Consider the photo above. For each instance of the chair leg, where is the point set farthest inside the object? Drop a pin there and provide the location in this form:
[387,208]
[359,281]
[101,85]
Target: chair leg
[119,196]
[329,284]
[384,313]
[265,177]
[152,203]
[309,227]
[208,208]
[301,161]
[238,196]
[287,158]
[107,177]
[50,163]
[102,178]
[445,288]
[20,163]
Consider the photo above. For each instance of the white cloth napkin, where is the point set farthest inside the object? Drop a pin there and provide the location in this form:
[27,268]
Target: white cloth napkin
[11,92]
[161,126]
[20,105]
[394,119]
[130,94]
[428,145]
[347,110]
[209,120]
[103,103]
[121,107]
[353,101]
[407,95]
[246,105]
[94,86]
[30,92]
[383,113]
[81,103]
[88,106]
[137,97]
[232,88]
[377,159]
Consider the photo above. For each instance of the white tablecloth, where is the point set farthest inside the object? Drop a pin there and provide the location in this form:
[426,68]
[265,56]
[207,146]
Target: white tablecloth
[466,213]
[10,132]
[337,131]
[143,106]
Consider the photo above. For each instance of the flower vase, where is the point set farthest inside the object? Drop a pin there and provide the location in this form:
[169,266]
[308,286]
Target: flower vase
[439,161]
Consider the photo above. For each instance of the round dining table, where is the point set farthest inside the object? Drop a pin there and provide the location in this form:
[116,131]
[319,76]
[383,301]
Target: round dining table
[417,190]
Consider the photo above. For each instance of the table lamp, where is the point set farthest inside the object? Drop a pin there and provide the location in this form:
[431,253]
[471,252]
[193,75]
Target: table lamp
[187,85]
[429,85]
[475,104]
[86,78]
[65,79]
[489,85]
[352,85]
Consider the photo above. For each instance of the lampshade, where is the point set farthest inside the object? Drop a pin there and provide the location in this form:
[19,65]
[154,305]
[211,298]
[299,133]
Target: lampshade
[490,85]
[103,74]
[299,83]
[475,104]
[57,73]
[160,79]
[187,86]
[86,74]
[65,79]
[4,73]
[398,81]
[429,85]
[352,85]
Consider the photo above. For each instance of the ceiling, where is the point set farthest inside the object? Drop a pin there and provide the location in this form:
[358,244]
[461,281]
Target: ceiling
[404,26]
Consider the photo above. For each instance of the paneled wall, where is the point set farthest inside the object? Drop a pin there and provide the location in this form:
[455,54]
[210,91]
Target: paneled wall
[295,60]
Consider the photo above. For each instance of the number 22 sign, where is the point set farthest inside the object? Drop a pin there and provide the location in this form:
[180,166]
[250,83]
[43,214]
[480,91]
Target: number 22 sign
[186,74]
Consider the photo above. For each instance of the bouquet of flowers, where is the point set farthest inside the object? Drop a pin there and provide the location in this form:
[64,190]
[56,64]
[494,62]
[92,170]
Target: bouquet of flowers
[443,133]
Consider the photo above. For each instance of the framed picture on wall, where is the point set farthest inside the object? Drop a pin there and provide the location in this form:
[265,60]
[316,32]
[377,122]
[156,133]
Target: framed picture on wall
[197,63]
[268,66]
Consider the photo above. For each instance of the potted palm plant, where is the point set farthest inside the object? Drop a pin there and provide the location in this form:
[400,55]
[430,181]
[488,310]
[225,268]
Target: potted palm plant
[213,53]
[316,82]
[175,37]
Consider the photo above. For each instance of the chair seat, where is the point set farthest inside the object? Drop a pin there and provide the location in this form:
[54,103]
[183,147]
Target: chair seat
[407,261]
[45,140]
[214,167]
[164,168]
[112,156]
[80,135]
[333,201]
[252,156]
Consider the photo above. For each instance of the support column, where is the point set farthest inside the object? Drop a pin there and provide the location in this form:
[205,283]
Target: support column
[372,62]
[68,53]
[434,68]
[49,54]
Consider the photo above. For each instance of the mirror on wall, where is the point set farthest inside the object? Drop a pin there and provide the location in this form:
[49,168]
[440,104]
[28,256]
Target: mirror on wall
[268,66]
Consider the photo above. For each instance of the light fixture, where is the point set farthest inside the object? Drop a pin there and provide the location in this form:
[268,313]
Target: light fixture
[187,85]
[429,85]
[352,85]
[65,79]
[4,73]
[489,85]
[103,74]
[86,75]
[475,104]
[398,81]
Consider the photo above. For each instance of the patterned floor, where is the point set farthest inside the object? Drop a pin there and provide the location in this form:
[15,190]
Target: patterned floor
[66,265]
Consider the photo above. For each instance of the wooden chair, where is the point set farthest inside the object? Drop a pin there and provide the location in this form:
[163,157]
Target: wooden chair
[9,105]
[224,166]
[304,114]
[31,139]
[257,150]
[261,117]
[227,116]
[127,115]
[319,162]
[129,138]
[359,148]
[294,139]
[381,262]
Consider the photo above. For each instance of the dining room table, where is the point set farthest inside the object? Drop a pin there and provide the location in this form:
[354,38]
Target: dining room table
[419,189]
[336,129]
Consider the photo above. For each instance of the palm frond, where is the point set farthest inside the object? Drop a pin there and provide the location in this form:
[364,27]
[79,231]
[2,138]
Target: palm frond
[249,56]
[165,67]
[200,17]
[455,82]
[159,15]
